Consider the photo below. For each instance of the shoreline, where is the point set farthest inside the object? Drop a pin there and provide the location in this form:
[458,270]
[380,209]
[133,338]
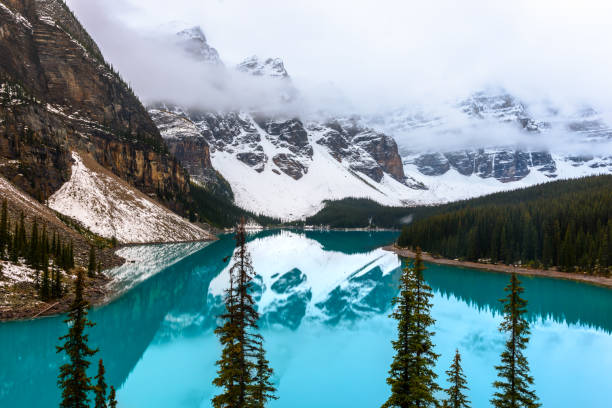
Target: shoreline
[602,281]
[97,292]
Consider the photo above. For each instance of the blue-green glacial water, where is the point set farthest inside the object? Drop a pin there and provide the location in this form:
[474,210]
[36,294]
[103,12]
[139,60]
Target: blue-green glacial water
[324,299]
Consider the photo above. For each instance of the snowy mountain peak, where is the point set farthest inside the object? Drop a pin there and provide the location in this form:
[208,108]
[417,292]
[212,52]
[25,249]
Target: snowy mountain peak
[270,67]
[194,43]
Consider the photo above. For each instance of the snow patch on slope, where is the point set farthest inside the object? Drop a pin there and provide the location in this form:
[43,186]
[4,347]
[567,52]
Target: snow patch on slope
[11,273]
[453,186]
[145,261]
[111,208]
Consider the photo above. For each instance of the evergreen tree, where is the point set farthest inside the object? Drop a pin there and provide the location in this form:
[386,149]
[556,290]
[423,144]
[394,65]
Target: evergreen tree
[238,369]
[4,235]
[456,378]
[514,379]
[33,250]
[56,290]
[14,253]
[411,376]
[21,237]
[45,287]
[91,268]
[262,390]
[100,388]
[112,399]
[70,264]
[73,377]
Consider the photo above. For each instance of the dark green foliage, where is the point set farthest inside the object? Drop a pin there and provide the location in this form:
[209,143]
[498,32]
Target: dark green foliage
[112,399]
[4,229]
[513,386]
[243,372]
[565,224]
[411,376]
[100,387]
[91,266]
[38,251]
[359,213]
[73,379]
[262,389]
[458,385]
[217,210]
[56,288]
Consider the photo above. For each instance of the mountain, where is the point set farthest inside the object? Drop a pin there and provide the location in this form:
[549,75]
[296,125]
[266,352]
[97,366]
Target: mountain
[282,165]
[60,99]
[270,67]
[287,166]
[483,113]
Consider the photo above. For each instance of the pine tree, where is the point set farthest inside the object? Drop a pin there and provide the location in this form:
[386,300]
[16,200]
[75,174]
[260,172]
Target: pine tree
[112,399]
[21,237]
[73,377]
[33,258]
[411,376]
[237,367]
[56,289]
[91,268]
[100,388]
[70,256]
[4,235]
[456,378]
[14,253]
[262,390]
[45,287]
[514,379]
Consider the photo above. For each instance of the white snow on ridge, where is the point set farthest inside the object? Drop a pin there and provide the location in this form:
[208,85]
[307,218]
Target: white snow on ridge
[453,186]
[281,196]
[111,208]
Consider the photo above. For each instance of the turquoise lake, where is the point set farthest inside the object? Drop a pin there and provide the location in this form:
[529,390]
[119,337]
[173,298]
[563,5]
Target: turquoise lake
[324,298]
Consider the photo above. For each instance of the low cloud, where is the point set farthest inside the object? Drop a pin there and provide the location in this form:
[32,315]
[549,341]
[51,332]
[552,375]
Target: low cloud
[369,57]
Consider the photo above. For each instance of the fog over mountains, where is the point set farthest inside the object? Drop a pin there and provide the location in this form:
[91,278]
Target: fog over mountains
[376,118]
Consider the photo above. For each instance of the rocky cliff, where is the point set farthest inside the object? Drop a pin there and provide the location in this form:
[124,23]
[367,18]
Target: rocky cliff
[57,94]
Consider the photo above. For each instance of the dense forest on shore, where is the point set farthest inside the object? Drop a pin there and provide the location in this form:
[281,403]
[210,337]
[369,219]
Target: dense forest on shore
[566,223]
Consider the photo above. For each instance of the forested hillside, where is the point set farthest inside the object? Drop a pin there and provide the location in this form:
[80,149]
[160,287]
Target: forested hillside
[567,224]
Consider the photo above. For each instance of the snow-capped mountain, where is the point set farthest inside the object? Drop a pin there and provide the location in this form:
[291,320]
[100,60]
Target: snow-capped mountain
[194,42]
[287,166]
[497,111]
[270,67]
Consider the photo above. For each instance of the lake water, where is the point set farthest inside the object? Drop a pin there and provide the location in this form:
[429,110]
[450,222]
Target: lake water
[324,299]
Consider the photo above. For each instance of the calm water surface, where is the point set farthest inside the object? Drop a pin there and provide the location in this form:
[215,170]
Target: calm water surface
[324,299]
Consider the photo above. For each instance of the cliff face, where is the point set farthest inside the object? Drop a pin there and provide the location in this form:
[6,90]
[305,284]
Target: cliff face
[57,94]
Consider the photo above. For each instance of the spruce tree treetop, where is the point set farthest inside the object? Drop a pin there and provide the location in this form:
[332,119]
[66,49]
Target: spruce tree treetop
[243,372]
[458,384]
[112,398]
[411,376]
[262,390]
[514,383]
[100,388]
[73,377]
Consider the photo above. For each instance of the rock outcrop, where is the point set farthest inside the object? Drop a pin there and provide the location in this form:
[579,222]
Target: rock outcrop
[71,99]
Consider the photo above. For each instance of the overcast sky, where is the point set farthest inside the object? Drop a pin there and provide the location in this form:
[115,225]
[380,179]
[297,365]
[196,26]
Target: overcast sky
[377,53]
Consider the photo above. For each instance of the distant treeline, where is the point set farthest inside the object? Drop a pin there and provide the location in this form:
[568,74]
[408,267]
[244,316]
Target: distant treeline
[359,213]
[215,209]
[566,223]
